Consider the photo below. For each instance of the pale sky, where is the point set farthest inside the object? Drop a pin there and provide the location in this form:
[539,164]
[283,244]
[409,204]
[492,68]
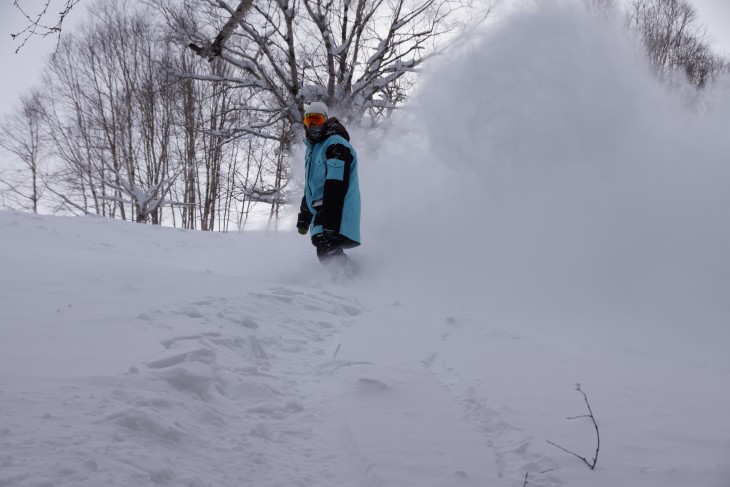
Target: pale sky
[715,14]
[19,72]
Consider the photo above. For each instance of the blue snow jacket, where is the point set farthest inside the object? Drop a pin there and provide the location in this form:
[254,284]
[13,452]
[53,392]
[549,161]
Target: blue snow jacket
[332,188]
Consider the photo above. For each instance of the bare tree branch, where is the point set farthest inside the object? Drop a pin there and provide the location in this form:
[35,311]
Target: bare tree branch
[35,22]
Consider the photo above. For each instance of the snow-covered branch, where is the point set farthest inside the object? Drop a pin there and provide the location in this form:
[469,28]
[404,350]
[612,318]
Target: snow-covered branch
[210,51]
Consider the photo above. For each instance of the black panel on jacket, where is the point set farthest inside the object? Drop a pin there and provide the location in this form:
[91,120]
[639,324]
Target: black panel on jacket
[333,199]
[339,151]
[330,217]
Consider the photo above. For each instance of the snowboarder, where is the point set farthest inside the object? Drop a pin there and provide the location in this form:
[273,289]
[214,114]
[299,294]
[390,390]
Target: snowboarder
[331,202]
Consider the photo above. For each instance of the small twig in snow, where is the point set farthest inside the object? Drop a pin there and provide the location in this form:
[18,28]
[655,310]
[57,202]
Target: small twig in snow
[591,464]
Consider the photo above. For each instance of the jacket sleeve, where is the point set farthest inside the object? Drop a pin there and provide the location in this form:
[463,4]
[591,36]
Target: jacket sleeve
[337,181]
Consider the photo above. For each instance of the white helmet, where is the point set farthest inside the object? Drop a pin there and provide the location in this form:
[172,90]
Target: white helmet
[317,107]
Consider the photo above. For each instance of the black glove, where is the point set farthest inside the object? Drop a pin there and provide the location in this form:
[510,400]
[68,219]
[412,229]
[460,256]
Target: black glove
[304,218]
[302,224]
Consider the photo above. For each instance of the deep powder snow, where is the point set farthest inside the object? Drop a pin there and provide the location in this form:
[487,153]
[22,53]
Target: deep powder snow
[542,214]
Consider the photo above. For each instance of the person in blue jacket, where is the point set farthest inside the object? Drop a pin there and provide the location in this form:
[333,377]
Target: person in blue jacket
[331,202]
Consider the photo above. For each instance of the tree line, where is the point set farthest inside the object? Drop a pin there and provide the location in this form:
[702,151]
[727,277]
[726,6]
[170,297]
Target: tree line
[675,41]
[139,116]
[185,113]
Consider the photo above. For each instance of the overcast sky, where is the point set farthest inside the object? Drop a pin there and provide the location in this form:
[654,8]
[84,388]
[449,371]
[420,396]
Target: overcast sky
[19,72]
[715,14]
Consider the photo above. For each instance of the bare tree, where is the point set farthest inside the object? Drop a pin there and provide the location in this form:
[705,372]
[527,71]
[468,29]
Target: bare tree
[211,154]
[22,134]
[130,136]
[675,40]
[114,107]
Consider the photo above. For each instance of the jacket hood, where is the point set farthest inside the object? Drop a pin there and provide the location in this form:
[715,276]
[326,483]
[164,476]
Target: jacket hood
[331,127]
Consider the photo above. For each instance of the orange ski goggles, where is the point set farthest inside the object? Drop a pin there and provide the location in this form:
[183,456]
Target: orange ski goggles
[314,119]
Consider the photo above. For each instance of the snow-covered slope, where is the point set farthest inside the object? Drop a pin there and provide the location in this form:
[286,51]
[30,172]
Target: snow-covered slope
[542,215]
